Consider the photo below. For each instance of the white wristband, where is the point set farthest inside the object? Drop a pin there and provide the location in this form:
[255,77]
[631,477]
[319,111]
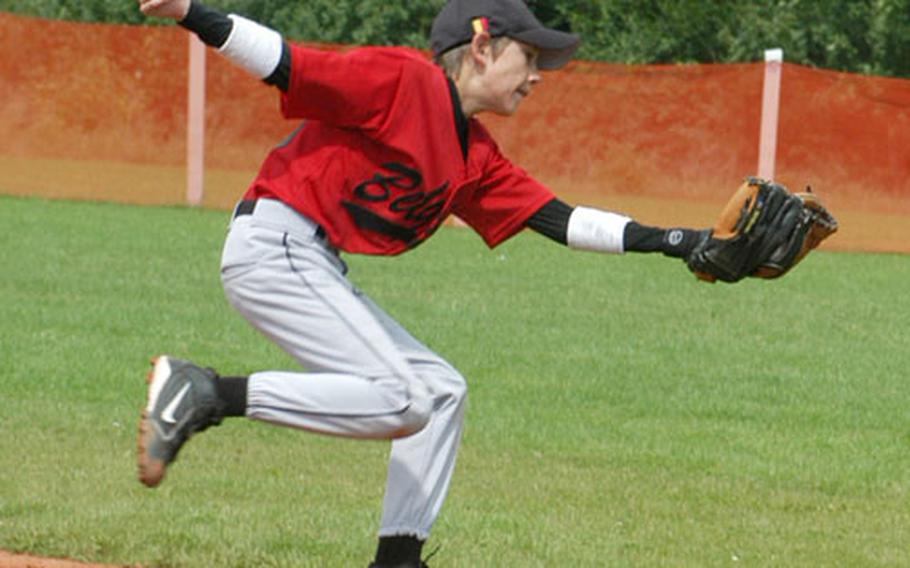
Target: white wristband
[596,230]
[253,47]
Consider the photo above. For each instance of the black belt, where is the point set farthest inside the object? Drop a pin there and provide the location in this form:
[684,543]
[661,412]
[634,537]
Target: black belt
[247,206]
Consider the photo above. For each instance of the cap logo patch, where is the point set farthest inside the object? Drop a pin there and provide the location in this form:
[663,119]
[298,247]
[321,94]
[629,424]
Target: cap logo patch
[480,25]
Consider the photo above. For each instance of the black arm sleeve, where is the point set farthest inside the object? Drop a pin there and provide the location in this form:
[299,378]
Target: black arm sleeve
[677,243]
[552,220]
[214,28]
[281,76]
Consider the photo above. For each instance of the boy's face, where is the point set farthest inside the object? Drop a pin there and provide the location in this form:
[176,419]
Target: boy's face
[510,76]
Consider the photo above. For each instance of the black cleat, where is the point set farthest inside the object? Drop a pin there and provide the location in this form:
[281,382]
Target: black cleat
[181,402]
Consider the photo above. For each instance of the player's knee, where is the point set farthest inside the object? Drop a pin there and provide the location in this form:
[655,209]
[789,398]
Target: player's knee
[448,392]
[442,393]
[450,386]
[418,412]
[409,403]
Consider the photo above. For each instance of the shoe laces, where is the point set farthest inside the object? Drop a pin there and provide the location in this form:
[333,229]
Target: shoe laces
[423,563]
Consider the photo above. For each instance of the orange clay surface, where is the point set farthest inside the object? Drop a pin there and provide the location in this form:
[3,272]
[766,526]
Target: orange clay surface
[10,560]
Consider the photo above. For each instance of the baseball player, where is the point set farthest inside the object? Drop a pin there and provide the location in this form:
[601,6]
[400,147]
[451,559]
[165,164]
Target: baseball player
[387,147]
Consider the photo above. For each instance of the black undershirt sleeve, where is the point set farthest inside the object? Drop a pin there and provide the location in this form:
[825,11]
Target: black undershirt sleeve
[281,76]
[552,220]
[214,28]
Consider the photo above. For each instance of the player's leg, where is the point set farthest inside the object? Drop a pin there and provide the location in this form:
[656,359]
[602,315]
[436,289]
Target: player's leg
[357,382]
[421,465]
[290,285]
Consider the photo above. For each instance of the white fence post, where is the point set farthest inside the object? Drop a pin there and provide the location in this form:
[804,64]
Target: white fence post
[770,109]
[195,122]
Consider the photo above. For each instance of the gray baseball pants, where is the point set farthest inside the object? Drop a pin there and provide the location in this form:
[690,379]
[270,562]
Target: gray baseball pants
[366,377]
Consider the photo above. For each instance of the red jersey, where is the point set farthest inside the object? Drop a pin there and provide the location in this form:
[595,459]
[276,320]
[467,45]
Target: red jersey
[378,161]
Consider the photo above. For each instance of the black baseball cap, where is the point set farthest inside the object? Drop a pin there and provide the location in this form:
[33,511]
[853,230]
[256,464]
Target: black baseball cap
[459,20]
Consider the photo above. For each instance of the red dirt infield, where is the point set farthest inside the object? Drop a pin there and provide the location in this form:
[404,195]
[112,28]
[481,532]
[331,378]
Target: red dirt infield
[12,560]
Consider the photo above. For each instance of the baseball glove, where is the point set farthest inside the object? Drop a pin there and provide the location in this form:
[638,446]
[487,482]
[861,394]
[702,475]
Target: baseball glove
[763,231]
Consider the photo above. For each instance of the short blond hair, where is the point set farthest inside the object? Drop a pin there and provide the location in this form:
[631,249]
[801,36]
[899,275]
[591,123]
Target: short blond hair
[452,60]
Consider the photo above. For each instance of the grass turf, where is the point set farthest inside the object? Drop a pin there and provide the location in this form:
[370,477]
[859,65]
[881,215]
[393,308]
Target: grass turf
[621,413]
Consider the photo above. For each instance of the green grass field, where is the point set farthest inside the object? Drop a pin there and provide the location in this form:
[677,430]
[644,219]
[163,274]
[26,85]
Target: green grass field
[621,412]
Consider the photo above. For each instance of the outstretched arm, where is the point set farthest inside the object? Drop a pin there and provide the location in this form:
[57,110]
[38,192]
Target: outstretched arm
[255,48]
[585,228]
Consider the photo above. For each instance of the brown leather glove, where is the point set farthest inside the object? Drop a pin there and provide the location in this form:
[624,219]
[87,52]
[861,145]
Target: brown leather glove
[764,231]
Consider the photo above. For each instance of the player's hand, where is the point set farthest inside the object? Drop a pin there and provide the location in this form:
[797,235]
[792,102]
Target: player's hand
[174,9]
